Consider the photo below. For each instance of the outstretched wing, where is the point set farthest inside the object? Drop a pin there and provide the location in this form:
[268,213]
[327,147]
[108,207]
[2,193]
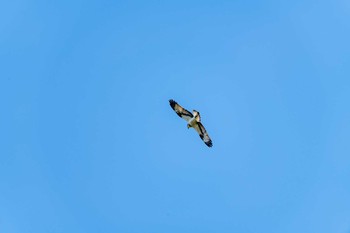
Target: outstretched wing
[180,111]
[203,134]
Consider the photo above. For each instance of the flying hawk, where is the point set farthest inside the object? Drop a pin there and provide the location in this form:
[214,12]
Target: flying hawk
[193,120]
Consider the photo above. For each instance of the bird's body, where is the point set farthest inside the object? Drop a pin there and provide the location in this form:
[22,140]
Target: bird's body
[193,121]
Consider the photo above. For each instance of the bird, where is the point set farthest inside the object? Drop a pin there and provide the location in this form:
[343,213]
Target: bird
[193,121]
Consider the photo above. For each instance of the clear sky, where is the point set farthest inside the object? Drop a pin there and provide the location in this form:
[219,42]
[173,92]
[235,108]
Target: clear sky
[89,142]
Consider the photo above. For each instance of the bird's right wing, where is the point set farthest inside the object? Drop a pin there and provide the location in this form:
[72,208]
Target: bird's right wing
[180,111]
[203,134]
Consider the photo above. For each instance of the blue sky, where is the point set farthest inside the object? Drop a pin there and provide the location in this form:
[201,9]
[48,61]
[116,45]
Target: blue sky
[90,144]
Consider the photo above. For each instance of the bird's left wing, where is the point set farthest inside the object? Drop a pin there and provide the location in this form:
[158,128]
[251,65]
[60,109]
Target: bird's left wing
[203,134]
[180,111]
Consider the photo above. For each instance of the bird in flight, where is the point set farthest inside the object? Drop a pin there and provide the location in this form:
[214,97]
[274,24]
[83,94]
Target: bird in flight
[193,120]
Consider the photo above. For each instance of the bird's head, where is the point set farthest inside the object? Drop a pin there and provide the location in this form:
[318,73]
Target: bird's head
[188,126]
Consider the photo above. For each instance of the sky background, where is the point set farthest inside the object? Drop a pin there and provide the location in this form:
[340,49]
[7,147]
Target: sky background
[89,143]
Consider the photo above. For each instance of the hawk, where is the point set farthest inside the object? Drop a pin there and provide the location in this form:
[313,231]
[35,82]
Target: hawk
[193,120]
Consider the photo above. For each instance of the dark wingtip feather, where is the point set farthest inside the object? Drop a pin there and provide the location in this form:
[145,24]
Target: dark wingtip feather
[209,144]
[172,103]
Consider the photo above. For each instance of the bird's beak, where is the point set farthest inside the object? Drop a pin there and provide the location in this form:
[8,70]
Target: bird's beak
[188,126]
